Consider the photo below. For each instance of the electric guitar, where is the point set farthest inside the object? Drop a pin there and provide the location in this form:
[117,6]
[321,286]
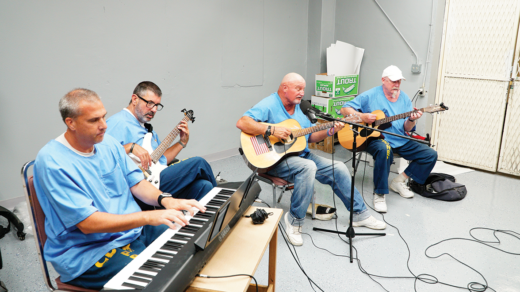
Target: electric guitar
[153,173]
[346,135]
[261,154]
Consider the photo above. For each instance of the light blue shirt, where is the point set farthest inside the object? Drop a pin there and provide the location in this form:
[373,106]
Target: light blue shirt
[70,188]
[375,99]
[125,127]
[271,110]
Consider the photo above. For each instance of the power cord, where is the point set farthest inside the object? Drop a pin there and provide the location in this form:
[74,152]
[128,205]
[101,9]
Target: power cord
[431,279]
[291,248]
[294,254]
[229,276]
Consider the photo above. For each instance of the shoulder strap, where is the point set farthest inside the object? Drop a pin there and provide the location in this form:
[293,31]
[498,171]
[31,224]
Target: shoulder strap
[12,218]
[433,177]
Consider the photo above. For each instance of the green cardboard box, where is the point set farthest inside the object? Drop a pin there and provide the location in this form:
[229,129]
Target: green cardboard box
[331,106]
[336,86]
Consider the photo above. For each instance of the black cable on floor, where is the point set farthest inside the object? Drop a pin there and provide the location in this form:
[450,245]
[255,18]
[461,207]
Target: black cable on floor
[295,256]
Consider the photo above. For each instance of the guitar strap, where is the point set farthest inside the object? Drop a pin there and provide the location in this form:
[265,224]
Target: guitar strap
[148,127]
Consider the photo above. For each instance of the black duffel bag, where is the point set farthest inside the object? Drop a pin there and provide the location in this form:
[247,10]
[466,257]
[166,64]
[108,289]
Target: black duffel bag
[440,186]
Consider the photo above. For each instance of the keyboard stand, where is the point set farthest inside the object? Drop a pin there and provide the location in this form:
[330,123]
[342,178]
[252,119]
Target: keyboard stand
[240,253]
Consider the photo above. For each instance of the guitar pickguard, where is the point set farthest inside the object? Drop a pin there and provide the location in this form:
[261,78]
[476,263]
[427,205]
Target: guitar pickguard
[366,132]
[280,147]
[153,174]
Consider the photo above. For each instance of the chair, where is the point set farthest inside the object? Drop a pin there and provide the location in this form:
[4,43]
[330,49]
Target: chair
[283,185]
[38,220]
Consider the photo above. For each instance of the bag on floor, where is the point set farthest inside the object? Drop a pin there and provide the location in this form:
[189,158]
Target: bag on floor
[440,186]
[2,285]
[12,219]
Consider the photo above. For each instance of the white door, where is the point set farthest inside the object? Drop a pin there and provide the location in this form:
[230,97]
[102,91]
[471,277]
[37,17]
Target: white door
[478,49]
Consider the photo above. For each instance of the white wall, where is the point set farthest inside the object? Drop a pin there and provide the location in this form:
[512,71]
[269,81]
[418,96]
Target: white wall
[363,24]
[188,48]
[50,47]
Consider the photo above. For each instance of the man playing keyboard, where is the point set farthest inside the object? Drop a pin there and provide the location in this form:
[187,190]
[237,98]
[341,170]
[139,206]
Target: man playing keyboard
[85,181]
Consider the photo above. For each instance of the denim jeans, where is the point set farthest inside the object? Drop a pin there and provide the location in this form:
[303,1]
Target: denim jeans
[422,157]
[303,170]
[190,178]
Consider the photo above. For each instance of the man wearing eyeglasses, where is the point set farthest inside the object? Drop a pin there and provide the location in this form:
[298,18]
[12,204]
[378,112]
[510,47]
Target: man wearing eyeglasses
[191,178]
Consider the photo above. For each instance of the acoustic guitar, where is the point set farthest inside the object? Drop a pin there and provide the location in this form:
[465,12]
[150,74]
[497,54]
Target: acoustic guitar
[153,173]
[346,135]
[262,154]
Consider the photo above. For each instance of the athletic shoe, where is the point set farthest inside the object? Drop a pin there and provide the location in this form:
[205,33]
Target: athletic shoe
[401,188]
[294,232]
[371,223]
[380,203]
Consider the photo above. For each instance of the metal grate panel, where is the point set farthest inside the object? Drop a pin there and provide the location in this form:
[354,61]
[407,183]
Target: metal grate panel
[509,161]
[480,38]
[469,132]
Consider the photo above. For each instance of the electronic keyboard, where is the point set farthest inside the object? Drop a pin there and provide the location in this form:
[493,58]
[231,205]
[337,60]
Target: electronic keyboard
[173,260]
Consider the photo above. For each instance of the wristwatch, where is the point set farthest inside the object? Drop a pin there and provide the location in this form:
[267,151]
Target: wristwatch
[162,196]
[268,131]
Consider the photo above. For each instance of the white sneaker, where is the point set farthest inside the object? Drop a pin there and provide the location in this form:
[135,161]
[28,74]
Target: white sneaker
[371,222]
[401,188]
[379,203]
[294,232]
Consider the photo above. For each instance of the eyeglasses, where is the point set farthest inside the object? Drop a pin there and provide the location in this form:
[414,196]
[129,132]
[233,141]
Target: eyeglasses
[151,104]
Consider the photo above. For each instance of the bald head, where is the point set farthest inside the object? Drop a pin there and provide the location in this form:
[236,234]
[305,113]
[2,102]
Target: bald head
[291,90]
[291,78]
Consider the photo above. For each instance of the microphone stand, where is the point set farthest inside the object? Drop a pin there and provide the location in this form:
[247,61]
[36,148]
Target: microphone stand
[351,233]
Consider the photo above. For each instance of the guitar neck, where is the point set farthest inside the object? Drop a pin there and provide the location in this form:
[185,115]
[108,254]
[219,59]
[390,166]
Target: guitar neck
[303,132]
[396,117]
[165,144]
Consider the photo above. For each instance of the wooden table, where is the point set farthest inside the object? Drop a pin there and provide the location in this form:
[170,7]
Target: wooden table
[240,253]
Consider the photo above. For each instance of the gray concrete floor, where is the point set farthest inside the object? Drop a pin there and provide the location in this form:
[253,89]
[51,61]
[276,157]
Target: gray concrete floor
[492,202]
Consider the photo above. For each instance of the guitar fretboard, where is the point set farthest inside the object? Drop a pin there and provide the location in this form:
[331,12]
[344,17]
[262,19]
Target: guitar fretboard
[396,117]
[303,132]
[165,144]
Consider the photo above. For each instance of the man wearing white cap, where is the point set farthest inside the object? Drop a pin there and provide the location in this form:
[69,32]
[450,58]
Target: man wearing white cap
[392,101]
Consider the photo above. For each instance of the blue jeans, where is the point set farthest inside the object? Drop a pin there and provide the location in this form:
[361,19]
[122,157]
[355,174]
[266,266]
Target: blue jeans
[191,178]
[115,260]
[422,157]
[303,170]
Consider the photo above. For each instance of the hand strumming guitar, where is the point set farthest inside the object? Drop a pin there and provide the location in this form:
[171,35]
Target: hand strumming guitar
[281,132]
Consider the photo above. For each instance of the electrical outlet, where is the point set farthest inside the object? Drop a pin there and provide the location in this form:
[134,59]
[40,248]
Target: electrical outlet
[416,68]
[422,91]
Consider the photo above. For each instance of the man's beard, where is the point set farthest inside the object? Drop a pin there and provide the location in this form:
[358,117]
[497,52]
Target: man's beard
[395,93]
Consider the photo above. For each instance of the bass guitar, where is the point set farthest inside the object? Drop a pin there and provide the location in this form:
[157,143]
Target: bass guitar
[262,154]
[346,135]
[153,173]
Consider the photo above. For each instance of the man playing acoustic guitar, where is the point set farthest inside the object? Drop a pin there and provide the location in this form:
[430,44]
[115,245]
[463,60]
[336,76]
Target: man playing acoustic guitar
[190,178]
[392,101]
[304,168]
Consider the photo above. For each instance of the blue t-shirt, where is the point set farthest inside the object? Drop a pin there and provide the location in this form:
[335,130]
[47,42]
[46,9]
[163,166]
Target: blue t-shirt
[70,188]
[375,99]
[271,110]
[125,127]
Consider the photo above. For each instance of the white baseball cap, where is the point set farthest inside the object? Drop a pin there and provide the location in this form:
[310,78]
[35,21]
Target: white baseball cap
[393,73]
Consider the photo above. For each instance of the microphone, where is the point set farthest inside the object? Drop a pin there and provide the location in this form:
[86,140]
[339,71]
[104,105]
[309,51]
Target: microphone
[309,111]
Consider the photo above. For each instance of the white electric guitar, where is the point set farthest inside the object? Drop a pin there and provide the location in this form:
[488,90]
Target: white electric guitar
[153,173]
